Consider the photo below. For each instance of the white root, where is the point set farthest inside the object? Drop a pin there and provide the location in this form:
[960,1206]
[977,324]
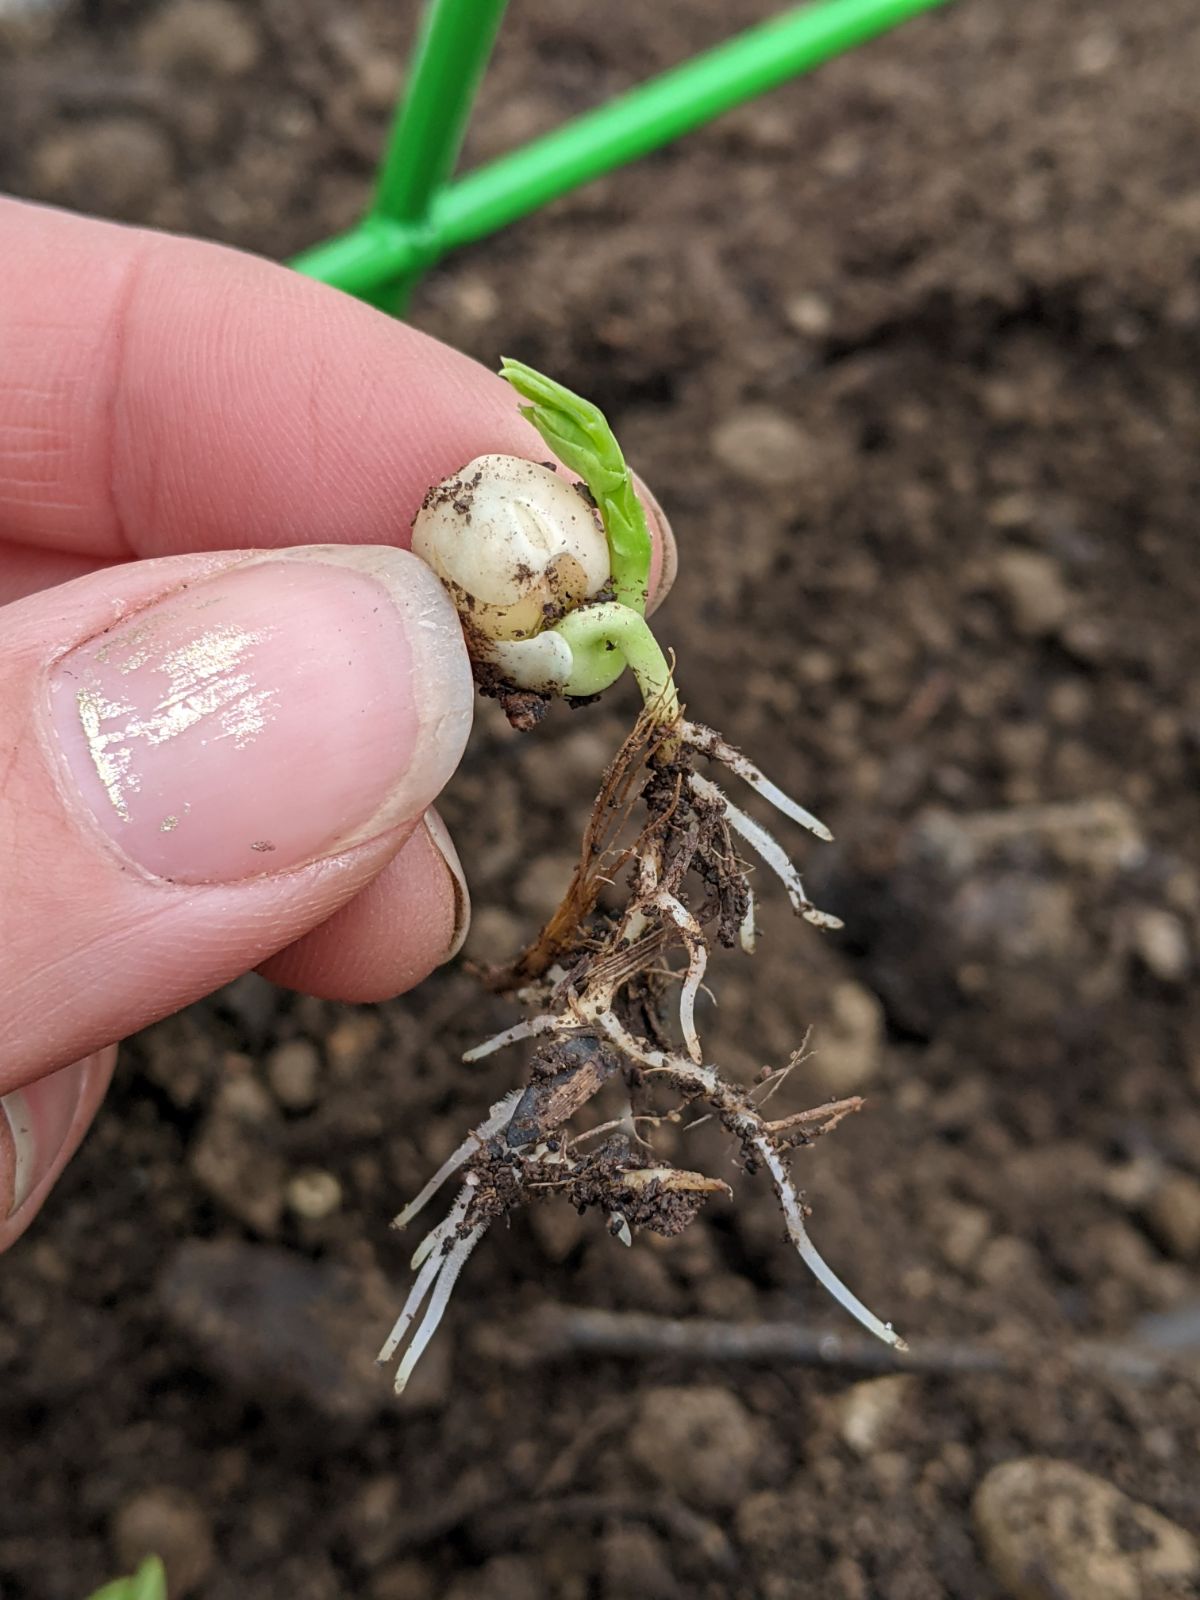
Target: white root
[442,1254]
[828,1279]
[706,1078]
[771,853]
[429,1271]
[498,1117]
[654,1060]
[530,1028]
[412,1305]
[445,1230]
[451,1265]
[710,743]
[693,938]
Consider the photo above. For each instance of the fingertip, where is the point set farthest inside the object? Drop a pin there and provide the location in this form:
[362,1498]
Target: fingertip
[664,552]
[42,1124]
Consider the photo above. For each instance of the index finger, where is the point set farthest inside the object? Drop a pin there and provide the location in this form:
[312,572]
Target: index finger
[161,395]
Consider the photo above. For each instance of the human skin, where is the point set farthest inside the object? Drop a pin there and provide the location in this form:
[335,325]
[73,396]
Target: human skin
[228,694]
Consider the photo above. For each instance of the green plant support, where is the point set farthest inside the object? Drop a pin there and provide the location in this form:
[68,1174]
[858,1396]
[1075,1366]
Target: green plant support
[418,215]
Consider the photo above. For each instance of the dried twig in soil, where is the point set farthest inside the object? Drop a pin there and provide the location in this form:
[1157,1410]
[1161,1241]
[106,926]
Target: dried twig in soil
[565,1333]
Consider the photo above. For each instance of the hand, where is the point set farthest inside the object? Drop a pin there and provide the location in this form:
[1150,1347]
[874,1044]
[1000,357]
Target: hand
[223,761]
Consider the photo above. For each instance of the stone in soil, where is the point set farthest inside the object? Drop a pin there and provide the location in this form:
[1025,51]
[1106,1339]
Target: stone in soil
[171,1524]
[294,1071]
[200,39]
[1051,1531]
[1172,1213]
[1033,588]
[1160,942]
[231,1158]
[847,1048]
[280,1330]
[766,446]
[699,1442]
[869,1412]
[116,165]
[502,1578]
[634,1562]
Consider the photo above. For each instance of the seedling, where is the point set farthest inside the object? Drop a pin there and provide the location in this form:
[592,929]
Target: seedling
[551,582]
[149,1582]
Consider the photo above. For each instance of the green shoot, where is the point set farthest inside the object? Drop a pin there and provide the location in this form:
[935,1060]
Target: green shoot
[149,1582]
[581,438]
[606,638]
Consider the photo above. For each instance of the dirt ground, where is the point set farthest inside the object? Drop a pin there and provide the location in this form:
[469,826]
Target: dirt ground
[910,353]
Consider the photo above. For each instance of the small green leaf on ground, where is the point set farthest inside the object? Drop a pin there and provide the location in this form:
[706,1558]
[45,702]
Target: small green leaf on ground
[149,1582]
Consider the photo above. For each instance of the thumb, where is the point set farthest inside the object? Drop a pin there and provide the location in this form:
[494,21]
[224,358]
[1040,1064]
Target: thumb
[202,758]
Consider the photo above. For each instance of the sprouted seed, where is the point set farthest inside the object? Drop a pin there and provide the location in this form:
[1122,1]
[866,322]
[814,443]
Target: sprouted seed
[551,581]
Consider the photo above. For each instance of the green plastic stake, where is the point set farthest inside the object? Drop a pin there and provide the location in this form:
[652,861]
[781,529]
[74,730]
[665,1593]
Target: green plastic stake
[149,1582]
[451,53]
[449,58]
[388,251]
[659,111]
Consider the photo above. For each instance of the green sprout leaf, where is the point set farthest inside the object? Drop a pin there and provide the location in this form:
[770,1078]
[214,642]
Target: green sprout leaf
[149,1582]
[581,438]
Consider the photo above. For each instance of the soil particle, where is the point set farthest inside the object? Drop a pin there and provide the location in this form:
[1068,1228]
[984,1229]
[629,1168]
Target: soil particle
[502,1578]
[1160,942]
[559,1230]
[405,1580]
[494,934]
[1053,1532]
[847,1045]
[962,1232]
[313,1194]
[293,1071]
[171,1524]
[1033,589]
[870,1413]
[542,886]
[1172,1214]
[198,39]
[350,1043]
[1017,908]
[633,1561]
[277,1327]
[231,1158]
[763,445]
[700,1442]
[116,164]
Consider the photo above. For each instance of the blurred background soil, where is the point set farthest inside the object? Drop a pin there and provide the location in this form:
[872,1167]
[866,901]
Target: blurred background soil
[909,351]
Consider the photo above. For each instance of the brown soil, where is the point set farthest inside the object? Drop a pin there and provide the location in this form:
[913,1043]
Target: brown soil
[909,351]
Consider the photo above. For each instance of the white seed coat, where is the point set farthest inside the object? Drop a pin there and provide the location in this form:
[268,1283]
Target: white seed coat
[514,543]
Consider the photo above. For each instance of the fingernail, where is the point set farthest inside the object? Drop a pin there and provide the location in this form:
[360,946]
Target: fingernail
[293,706]
[665,563]
[441,841]
[34,1124]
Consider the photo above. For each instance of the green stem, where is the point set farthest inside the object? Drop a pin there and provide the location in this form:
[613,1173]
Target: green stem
[607,638]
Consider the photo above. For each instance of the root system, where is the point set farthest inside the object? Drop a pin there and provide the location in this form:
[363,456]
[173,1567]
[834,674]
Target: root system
[609,997]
